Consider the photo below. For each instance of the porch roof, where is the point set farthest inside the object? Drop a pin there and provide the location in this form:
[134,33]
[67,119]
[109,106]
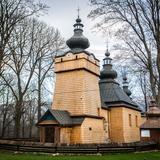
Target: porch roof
[62,117]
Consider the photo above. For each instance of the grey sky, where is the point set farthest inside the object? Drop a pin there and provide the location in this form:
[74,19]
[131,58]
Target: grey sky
[62,15]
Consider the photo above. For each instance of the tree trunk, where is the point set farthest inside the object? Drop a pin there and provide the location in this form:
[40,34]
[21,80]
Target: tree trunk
[39,90]
[30,130]
[158,67]
[3,130]
[18,114]
[152,83]
[3,124]
[1,58]
[23,128]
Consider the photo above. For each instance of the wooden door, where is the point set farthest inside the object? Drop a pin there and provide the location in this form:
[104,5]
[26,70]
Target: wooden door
[155,135]
[49,134]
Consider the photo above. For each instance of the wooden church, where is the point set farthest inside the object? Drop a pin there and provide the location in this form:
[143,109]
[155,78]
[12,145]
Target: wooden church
[89,106]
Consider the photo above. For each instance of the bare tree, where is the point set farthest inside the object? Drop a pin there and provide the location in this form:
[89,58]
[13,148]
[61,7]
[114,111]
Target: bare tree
[29,117]
[139,27]
[25,52]
[6,109]
[13,12]
[44,69]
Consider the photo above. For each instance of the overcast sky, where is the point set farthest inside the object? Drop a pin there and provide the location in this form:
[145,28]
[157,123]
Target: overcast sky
[62,15]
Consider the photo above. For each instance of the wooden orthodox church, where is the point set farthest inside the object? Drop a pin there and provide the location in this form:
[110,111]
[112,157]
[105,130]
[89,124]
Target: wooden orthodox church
[89,106]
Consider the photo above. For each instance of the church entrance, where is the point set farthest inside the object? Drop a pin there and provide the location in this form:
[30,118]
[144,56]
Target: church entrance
[51,134]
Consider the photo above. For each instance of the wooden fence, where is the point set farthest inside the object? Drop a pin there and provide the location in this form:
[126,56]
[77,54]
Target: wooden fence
[86,148]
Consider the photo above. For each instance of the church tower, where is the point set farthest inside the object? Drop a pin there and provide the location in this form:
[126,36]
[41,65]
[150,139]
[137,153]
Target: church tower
[124,114]
[77,75]
[75,115]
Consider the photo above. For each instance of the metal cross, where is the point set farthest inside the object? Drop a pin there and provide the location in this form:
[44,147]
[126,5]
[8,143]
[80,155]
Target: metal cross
[78,11]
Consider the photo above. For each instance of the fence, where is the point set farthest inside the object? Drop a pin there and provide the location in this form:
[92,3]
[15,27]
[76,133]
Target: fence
[86,148]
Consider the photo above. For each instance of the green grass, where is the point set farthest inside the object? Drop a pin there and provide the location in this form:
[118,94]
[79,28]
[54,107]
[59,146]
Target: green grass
[122,156]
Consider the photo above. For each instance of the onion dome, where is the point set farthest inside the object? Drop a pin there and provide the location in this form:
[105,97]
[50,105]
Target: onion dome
[125,86]
[153,108]
[78,42]
[107,71]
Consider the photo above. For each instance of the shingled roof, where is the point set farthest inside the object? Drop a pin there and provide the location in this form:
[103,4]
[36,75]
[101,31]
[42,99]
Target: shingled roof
[151,124]
[153,117]
[62,117]
[111,93]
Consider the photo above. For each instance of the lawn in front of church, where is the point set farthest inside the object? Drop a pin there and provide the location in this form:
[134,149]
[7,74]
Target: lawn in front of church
[121,156]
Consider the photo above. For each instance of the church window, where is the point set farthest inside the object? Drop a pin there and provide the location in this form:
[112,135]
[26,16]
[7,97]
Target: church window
[98,111]
[130,120]
[145,133]
[136,119]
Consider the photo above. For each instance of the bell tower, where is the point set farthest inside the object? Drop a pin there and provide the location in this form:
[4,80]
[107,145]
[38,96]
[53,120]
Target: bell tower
[77,76]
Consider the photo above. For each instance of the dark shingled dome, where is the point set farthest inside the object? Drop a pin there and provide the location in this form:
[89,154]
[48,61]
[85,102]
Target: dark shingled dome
[78,41]
[125,86]
[110,91]
[126,90]
[107,72]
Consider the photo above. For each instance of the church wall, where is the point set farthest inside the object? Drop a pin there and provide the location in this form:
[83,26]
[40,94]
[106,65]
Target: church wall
[65,135]
[104,113]
[116,124]
[91,94]
[131,131]
[68,93]
[76,61]
[122,128]
[77,91]
[143,119]
[76,135]
[92,131]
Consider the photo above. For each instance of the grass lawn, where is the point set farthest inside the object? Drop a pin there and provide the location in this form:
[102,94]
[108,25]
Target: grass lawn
[121,156]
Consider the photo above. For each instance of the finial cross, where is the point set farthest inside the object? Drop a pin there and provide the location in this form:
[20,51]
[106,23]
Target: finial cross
[107,43]
[78,9]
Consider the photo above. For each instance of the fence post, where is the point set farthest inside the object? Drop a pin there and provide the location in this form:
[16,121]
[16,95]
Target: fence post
[56,148]
[17,147]
[97,148]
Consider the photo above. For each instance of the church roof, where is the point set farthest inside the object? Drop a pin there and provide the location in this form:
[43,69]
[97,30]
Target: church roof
[151,124]
[62,117]
[76,52]
[111,94]
[153,117]
[110,91]
[125,85]
[153,109]
[78,42]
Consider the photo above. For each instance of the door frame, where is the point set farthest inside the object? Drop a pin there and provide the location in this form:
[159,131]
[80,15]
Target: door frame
[56,133]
